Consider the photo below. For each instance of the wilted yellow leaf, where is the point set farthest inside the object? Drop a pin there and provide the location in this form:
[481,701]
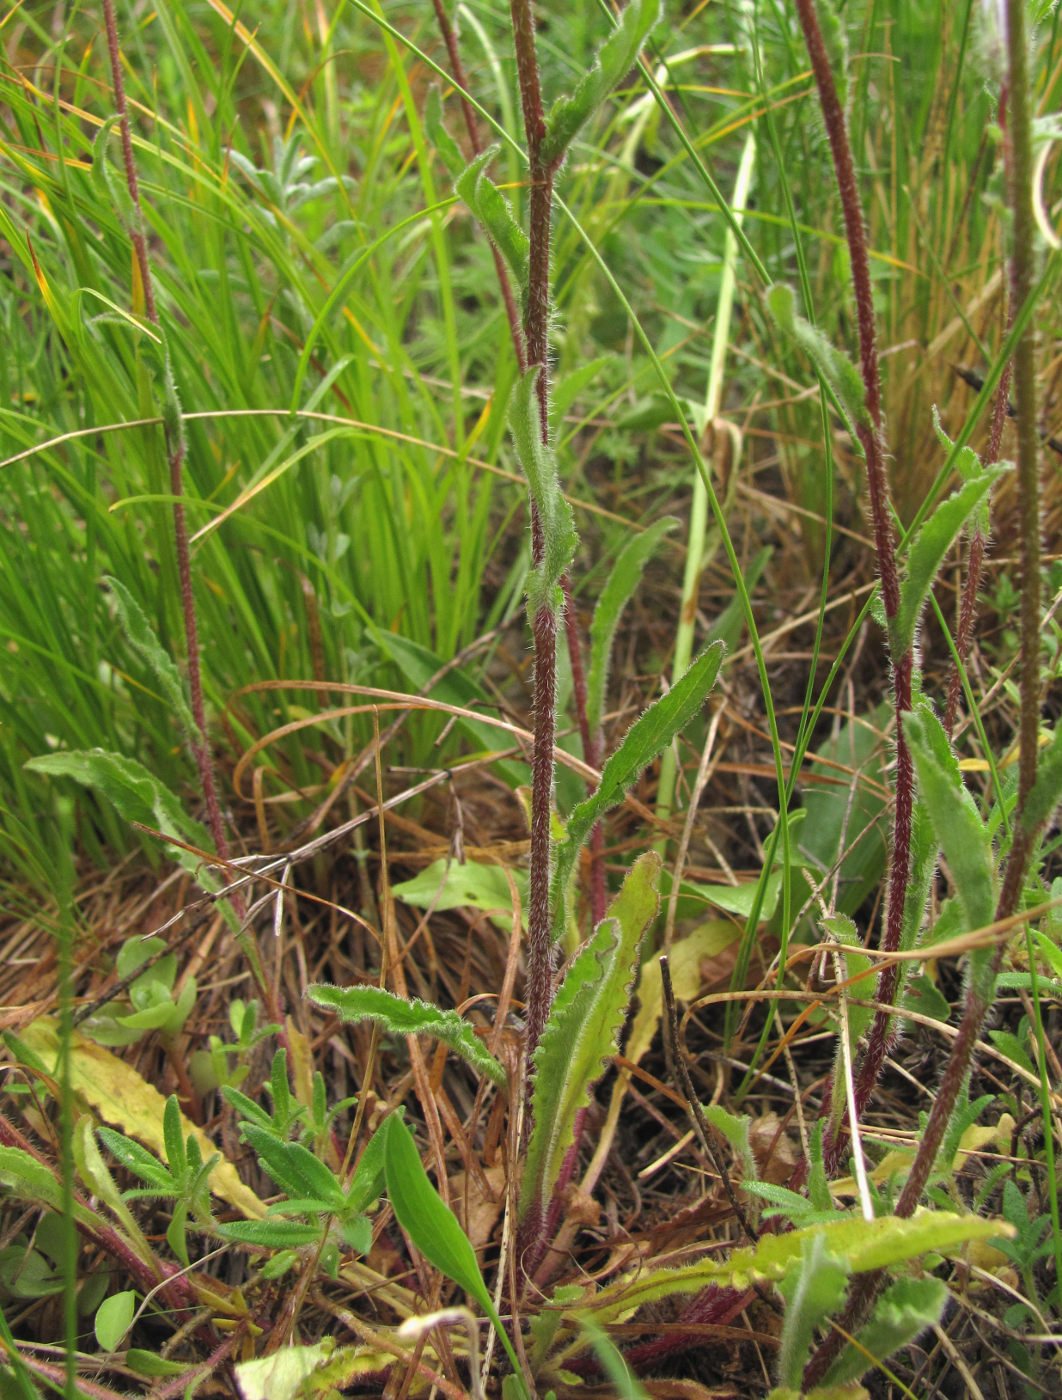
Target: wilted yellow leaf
[125,1100]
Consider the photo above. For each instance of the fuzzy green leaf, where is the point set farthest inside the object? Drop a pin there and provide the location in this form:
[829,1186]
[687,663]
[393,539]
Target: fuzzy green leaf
[494,212]
[1047,789]
[294,1168]
[369,1177]
[142,638]
[926,554]
[138,1160]
[646,738]
[438,135]
[812,1291]
[271,1234]
[583,1028]
[138,796]
[539,465]
[624,578]
[835,367]
[611,65]
[962,834]
[906,1308]
[401,1017]
[865,1244]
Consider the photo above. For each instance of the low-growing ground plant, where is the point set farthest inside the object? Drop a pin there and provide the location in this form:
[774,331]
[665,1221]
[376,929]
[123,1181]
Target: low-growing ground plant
[263,1221]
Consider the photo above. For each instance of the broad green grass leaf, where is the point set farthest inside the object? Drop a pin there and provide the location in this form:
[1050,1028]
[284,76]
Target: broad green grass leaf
[113,1319]
[611,65]
[142,638]
[583,1028]
[962,834]
[624,578]
[905,1309]
[137,796]
[646,738]
[294,1168]
[926,554]
[864,1244]
[401,1017]
[812,1291]
[835,367]
[494,212]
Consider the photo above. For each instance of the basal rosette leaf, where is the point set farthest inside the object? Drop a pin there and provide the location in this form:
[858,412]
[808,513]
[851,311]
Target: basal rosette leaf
[583,1028]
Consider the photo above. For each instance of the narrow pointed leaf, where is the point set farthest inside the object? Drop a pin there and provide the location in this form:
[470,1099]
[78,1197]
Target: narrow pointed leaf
[294,1168]
[438,135]
[624,578]
[494,212]
[864,1244]
[401,1017]
[927,552]
[962,834]
[647,737]
[1047,789]
[539,465]
[835,367]
[583,1028]
[613,62]
[142,638]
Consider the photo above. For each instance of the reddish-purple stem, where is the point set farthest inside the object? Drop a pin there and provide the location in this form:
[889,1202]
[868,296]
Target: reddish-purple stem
[871,440]
[175,454]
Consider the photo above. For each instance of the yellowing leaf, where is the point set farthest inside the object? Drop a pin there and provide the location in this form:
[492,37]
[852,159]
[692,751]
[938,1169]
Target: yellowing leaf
[685,959]
[128,1102]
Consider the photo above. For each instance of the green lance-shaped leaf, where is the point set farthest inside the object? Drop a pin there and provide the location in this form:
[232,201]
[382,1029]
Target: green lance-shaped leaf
[622,581]
[613,62]
[812,1291]
[494,212]
[648,736]
[863,1244]
[931,543]
[138,796]
[539,465]
[142,638]
[835,367]
[271,1234]
[963,837]
[438,135]
[432,1226]
[738,1132]
[401,1017]
[583,1028]
[1047,789]
[295,1169]
[906,1308]
[969,467]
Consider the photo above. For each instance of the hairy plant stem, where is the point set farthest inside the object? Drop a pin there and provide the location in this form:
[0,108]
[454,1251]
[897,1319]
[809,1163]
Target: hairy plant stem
[981,989]
[175,456]
[871,439]
[544,623]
